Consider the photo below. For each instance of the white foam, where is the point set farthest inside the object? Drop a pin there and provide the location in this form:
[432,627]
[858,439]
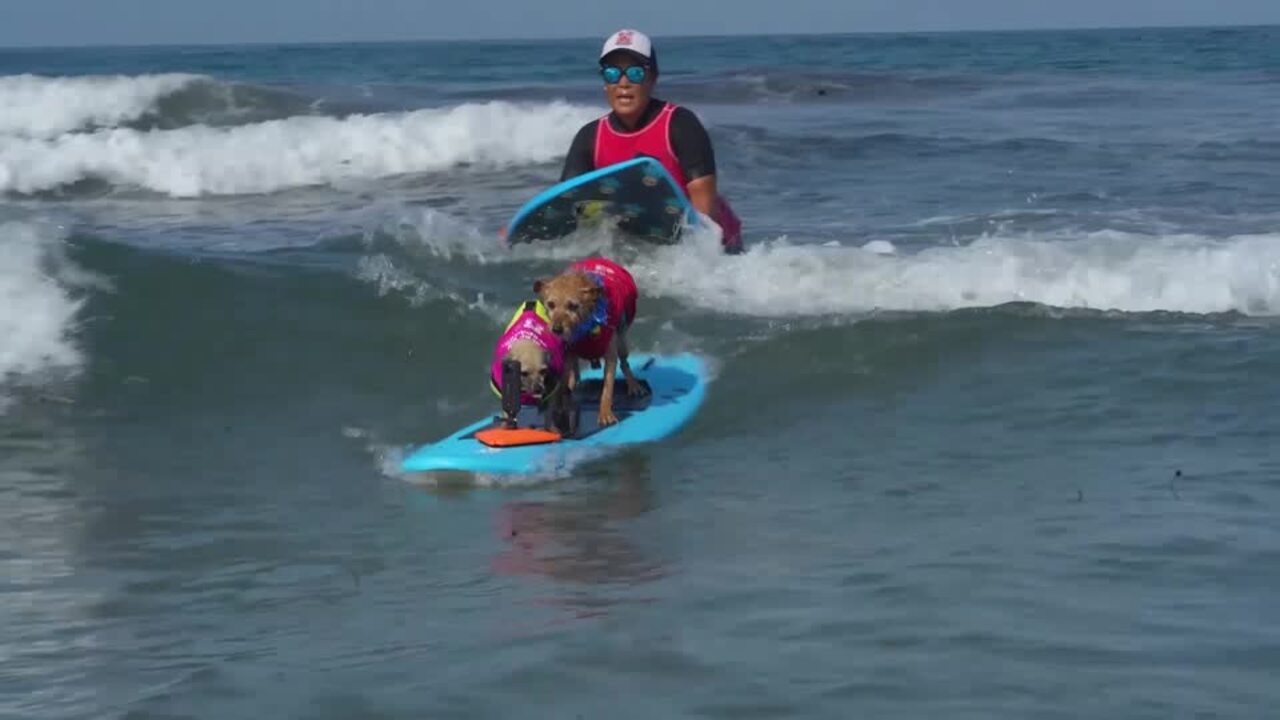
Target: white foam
[45,107]
[381,270]
[1109,271]
[443,236]
[38,307]
[1103,271]
[295,152]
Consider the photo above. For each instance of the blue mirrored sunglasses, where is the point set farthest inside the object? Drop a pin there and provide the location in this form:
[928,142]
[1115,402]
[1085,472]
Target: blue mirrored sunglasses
[613,73]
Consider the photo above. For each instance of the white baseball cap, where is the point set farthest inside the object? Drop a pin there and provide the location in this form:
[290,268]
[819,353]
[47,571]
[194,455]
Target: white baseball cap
[634,42]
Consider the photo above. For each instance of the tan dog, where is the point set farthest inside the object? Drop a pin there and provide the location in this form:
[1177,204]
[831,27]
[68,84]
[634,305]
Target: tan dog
[591,306]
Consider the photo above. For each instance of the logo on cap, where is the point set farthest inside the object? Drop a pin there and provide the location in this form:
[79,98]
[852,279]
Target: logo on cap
[623,37]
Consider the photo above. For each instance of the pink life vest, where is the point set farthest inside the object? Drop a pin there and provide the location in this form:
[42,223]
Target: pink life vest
[528,323]
[654,140]
[616,308]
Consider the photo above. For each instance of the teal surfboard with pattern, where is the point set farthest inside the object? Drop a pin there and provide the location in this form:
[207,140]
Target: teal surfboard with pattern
[636,197]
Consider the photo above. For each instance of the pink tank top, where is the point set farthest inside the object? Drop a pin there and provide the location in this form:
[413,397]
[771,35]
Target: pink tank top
[654,140]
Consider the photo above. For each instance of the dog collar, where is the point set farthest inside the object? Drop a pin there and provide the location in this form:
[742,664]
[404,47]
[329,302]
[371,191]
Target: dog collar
[599,316]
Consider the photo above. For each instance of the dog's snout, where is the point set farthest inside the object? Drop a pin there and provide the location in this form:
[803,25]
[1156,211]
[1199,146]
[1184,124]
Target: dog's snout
[557,328]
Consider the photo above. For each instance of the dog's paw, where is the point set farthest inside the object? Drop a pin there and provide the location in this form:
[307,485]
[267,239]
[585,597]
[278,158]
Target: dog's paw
[606,418]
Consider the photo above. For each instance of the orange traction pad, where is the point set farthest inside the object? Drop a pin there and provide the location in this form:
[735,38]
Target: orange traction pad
[514,437]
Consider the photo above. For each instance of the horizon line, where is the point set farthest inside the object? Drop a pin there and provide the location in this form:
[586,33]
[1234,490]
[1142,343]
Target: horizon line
[677,35]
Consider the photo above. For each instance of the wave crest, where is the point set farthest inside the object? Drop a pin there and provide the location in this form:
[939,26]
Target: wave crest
[1103,271]
[294,152]
[45,107]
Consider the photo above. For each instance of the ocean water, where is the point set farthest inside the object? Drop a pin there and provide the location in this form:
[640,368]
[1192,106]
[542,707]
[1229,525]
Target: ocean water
[992,432]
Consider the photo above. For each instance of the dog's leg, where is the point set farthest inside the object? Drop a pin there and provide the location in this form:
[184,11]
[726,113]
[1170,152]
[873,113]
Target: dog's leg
[554,409]
[606,416]
[634,388]
[571,370]
[561,395]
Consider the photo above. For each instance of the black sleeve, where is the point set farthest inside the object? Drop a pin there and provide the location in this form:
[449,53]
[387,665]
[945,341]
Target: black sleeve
[581,158]
[692,144]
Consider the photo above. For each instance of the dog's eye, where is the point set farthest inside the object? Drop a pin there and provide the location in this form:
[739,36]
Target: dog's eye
[573,307]
[551,305]
[524,373]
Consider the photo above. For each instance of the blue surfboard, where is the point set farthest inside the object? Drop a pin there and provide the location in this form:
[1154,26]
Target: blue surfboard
[638,197]
[677,385]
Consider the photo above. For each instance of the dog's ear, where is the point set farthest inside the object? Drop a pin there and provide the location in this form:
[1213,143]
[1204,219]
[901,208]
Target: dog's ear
[591,293]
[537,285]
